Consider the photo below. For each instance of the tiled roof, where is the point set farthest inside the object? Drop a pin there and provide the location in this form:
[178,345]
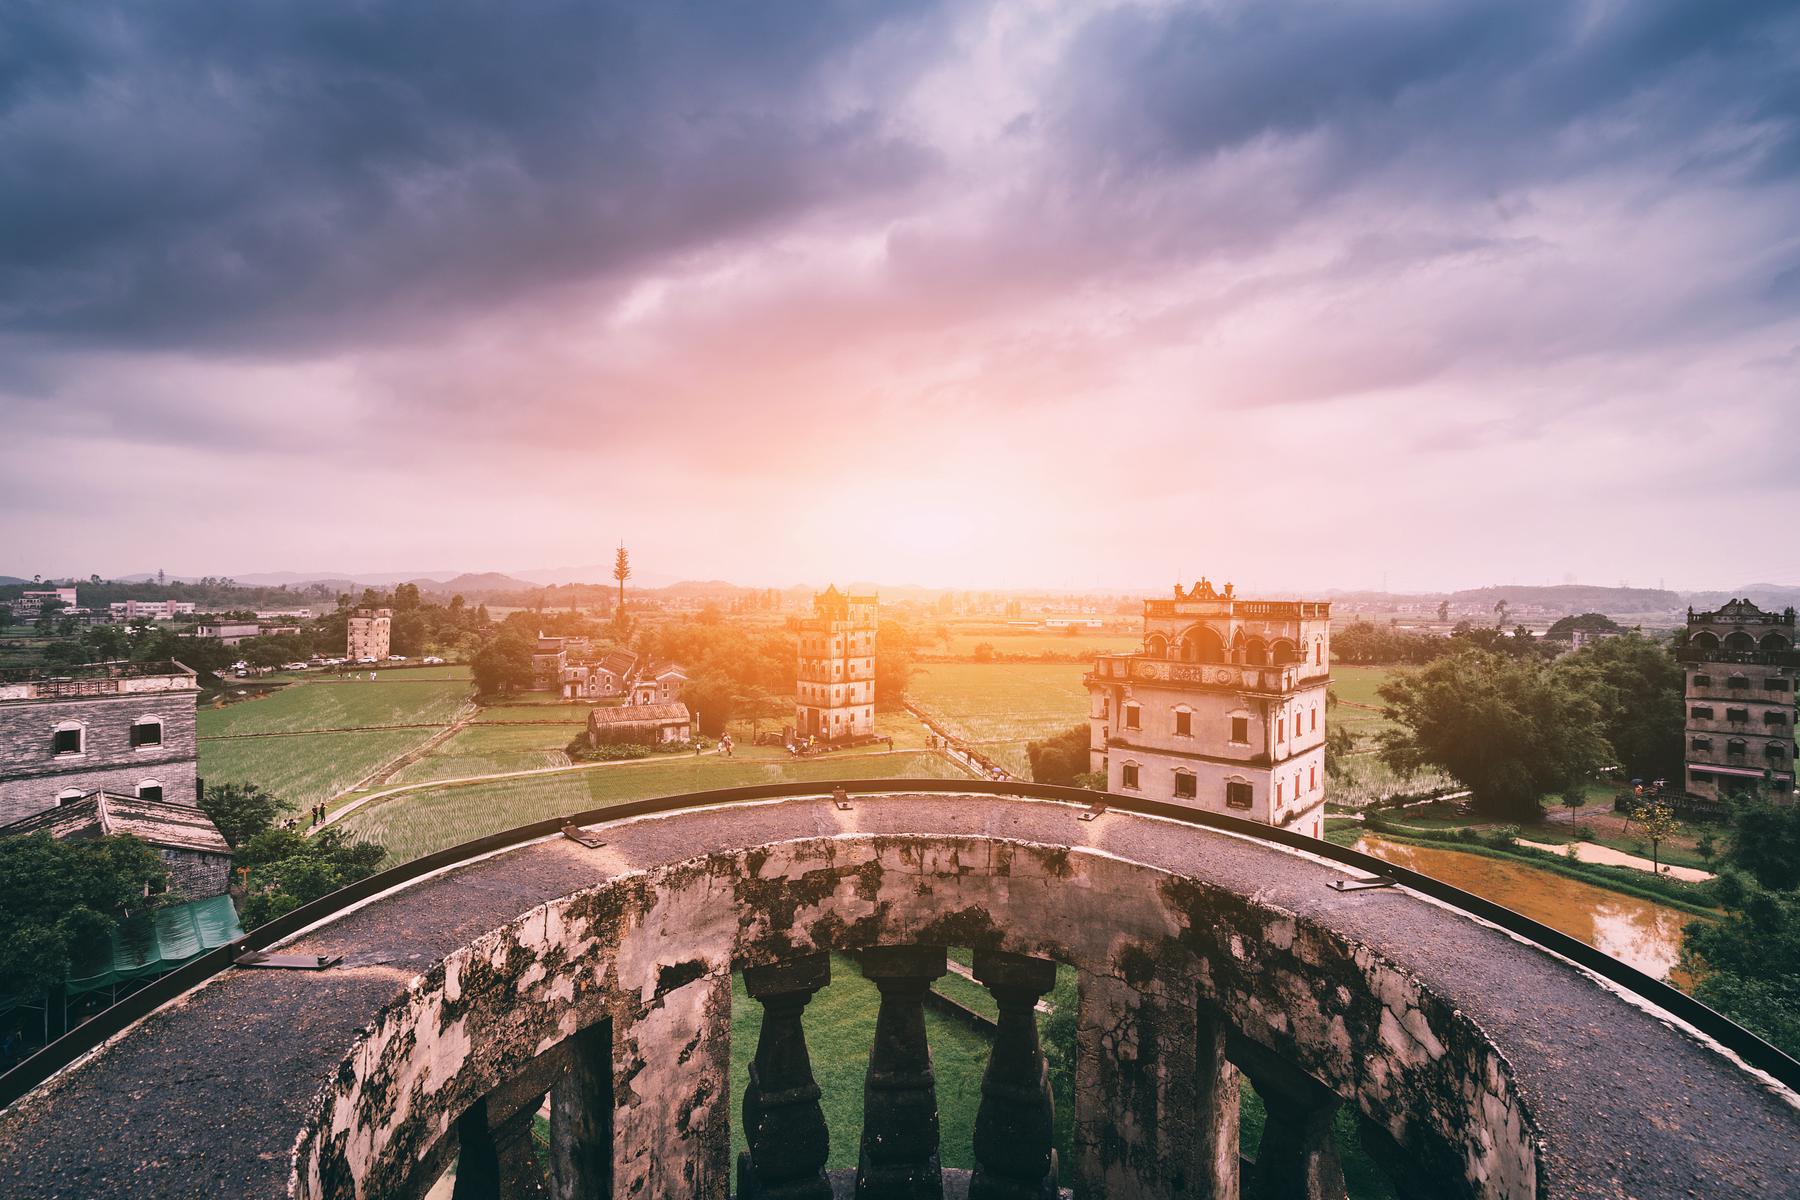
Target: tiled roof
[157,822]
[635,713]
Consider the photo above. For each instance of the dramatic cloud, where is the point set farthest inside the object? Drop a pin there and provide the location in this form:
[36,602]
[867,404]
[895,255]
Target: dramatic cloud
[1301,293]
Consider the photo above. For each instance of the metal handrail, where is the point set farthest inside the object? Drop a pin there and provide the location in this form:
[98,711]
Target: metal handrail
[40,1066]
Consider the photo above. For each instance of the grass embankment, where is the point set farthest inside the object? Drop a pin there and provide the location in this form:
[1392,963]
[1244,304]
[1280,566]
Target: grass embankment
[1693,898]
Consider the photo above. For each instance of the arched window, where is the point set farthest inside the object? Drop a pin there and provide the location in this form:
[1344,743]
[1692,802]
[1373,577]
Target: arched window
[1774,643]
[1186,786]
[1739,642]
[69,737]
[1318,652]
[1156,646]
[1775,752]
[1736,747]
[1705,640]
[1202,644]
[150,789]
[1256,653]
[1282,653]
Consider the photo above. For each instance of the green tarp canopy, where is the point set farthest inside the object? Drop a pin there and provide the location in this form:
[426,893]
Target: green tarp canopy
[182,932]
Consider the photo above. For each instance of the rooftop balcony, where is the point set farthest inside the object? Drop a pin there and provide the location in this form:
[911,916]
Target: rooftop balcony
[94,679]
[464,992]
[1257,680]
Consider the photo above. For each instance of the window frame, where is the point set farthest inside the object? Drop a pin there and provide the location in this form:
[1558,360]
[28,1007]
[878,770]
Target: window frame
[145,723]
[1129,775]
[1192,781]
[67,727]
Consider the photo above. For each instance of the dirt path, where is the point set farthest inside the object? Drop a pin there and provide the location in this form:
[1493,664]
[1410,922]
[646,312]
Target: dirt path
[386,771]
[1606,856]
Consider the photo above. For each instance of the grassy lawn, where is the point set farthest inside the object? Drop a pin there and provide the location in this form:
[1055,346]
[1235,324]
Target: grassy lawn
[491,749]
[1001,706]
[533,714]
[1084,644]
[1359,686]
[304,770]
[418,823]
[339,704]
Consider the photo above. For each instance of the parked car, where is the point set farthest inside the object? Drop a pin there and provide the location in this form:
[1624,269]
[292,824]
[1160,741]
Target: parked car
[432,660]
[293,666]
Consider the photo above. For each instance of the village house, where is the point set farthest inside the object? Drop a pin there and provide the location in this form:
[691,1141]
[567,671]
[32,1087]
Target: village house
[368,633]
[658,683]
[641,724]
[123,728]
[189,844]
[1742,670]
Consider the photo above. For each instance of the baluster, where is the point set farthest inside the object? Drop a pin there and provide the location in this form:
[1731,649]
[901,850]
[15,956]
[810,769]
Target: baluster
[899,1158]
[1014,1158]
[783,1123]
[581,1119]
[1297,1158]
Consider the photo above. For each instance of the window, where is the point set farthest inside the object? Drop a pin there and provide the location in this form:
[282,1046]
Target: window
[1737,714]
[1237,794]
[1184,723]
[1700,743]
[149,789]
[1278,791]
[1775,718]
[1185,787]
[68,796]
[1312,778]
[146,733]
[1318,653]
[1315,722]
[1736,747]
[1776,685]
[1280,726]
[1128,776]
[1240,730]
[66,739]
[1700,712]
[1774,752]
[1700,776]
[1703,681]
[1738,683]
[1131,717]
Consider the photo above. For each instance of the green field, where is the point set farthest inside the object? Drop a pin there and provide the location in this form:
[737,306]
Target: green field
[339,704]
[1358,686]
[1082,645]
[307,769]
[533,714]
[490,750]
[418,823]
[316,738]
[1001,706]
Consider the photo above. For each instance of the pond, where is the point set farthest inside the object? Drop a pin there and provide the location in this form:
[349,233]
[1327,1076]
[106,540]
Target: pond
[1642,933]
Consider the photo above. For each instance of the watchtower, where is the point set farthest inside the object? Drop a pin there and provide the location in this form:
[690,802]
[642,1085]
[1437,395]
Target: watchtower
[834,687]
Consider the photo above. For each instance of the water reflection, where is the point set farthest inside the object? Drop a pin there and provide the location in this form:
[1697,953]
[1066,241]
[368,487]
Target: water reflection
[1639,932]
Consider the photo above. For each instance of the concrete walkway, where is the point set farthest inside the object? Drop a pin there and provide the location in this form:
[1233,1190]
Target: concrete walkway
[1606,856]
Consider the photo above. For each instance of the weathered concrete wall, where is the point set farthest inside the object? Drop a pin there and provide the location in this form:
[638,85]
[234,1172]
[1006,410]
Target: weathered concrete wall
[653,950]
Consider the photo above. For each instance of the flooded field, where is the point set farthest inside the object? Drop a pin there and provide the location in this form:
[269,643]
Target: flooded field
[1640,932]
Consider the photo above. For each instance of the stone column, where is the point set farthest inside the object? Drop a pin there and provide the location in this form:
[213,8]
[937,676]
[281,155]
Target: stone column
[581,1119]
[521,1174]
[1156,1102]
[783,1123]
[1014,1155]
[899,1158]
[1297,1158]
[477,1161]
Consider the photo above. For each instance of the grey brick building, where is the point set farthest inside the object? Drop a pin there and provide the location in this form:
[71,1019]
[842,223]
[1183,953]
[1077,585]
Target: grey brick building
[125,728]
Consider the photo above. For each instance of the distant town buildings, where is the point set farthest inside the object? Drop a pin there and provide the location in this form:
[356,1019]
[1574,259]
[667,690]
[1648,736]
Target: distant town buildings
[30,605]
[834,690]
[641,724]
[368,633]
[1222,710]
[230,632]
[658,683]
[160,610]
[122,728]
[1741,674]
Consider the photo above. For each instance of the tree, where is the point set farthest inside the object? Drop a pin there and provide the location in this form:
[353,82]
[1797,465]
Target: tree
[621,571]
[1573,798]
[1563,629]
[1061,758]
[984,652]
[1639,686]
[1340,743]
[286,870]
[1501,608]
[712,697]
[61,900]
[1443,610]
[893,664]
[1657,820]
[1765,841]
[240,810]
[503,665]
[1510,730]
[1748,965]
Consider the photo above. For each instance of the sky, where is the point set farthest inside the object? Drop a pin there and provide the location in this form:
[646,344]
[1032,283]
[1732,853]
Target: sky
[1305,295]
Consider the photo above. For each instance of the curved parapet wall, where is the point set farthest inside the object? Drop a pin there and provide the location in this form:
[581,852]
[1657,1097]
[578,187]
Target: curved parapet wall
[1479,1064]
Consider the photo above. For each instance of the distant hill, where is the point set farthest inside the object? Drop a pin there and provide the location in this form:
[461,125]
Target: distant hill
[1763,595]
[9,579]
[466,584]
[1575,598]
